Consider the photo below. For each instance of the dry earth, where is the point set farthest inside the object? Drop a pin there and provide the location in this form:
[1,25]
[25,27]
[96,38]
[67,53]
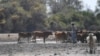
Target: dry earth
[10,47]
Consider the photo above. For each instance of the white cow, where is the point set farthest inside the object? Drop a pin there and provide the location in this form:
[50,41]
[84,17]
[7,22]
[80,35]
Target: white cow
[91,41]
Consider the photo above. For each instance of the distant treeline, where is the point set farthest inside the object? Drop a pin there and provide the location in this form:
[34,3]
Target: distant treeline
[31,15]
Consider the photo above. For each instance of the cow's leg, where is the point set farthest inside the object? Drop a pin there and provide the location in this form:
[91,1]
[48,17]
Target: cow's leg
[34,39]
[64,40]
[28,39]
[44,39]
[94,49]
[56,40]
[19,39]
[91,51]
[59,40]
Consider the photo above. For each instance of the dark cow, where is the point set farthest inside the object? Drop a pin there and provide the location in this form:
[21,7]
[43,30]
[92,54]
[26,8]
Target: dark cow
[41,34]
[68,35]
[61,35]
[81,36]
[24,35]
[97,33]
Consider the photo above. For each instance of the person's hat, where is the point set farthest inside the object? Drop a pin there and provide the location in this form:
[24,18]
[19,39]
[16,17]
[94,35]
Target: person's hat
[72,23]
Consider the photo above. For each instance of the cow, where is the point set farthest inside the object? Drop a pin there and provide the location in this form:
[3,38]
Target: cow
[68,35]
[61,35]
[97,34]
[91,41]
[41,34]
[81,35]
[27,35]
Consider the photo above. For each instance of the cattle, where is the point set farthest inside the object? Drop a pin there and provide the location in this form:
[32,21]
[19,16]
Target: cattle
[41,34]
[97,34]
[27,35]
[61,35]
[81,35]
[68,35]
[91,41]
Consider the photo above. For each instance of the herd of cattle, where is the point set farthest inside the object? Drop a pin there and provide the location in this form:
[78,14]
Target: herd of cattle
[63,36]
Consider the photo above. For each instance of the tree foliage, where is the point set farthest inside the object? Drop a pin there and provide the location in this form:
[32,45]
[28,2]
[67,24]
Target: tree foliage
[22,15]
[30,15]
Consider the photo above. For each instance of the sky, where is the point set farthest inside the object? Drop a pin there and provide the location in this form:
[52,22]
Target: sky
[91,4]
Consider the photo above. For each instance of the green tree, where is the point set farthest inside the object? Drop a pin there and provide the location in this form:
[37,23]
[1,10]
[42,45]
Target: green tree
[23,15]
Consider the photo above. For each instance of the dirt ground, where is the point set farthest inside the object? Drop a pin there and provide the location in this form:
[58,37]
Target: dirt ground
[8,37]
[31,49]
[10,47]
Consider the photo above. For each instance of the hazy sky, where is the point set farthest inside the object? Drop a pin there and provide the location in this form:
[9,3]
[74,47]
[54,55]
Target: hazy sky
[90,4]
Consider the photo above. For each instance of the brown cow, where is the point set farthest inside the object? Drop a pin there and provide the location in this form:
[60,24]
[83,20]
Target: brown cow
[60,35]
[24,35]
[41,34]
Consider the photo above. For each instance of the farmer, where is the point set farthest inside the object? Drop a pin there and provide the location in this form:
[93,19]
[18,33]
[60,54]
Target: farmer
[73,33]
